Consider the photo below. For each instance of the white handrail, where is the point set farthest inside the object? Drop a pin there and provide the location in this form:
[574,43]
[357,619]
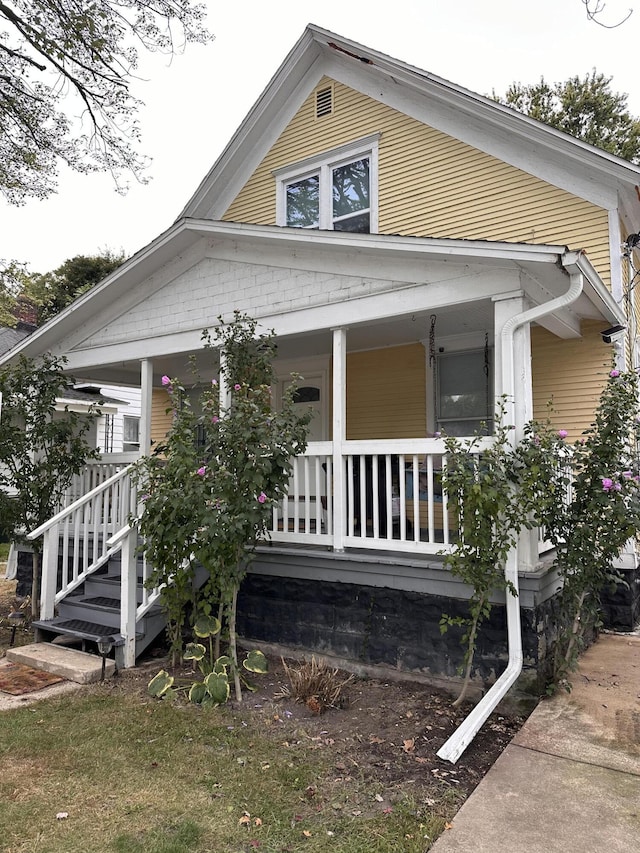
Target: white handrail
[69,510]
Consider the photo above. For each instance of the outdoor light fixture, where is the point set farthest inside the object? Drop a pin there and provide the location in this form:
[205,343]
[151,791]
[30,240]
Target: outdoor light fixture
[15,618]
[631,242]
[105,644]
[613,334]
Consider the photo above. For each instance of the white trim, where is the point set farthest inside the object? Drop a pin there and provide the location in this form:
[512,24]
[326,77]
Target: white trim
[322,165]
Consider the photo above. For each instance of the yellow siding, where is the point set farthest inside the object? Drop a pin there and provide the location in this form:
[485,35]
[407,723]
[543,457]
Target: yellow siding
[386,393]
[160,418]
[571,374]
[430,184]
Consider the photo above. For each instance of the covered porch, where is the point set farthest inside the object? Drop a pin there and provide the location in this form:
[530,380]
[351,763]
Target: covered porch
[374,325]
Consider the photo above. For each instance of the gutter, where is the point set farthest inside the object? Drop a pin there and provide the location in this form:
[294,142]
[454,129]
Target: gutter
[467,730]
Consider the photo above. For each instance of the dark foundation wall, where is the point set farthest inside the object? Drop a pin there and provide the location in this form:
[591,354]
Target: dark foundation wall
[620,603]
[381,626]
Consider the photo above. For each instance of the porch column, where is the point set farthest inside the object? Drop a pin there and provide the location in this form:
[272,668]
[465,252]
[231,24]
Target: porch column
[223,384]
[339,434]
[146,397]
[519,394]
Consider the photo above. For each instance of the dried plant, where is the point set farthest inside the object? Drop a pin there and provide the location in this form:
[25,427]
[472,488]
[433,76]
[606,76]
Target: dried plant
[316,684]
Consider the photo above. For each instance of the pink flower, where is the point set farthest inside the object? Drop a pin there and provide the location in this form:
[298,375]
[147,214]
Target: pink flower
[215,419]
[236,387]
[214,381]
[614,374]
[562,433]
[607,484]
[627,474]
[262,498]
[201,471]
[165,380]
[617,486]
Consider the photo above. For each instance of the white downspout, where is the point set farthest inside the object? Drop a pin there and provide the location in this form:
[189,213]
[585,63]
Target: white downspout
[467,730]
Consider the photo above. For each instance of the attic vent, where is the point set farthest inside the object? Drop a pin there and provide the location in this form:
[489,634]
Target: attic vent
[324,101]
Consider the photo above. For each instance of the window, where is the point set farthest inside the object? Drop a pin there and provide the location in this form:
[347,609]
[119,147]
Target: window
[336,192]
[130,434]
[465,392]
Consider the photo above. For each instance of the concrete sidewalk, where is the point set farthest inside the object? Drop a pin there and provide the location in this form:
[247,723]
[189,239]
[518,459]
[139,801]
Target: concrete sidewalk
[569,782]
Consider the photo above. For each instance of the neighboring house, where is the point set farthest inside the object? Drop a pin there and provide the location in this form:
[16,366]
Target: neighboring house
[419,251]
[115,430]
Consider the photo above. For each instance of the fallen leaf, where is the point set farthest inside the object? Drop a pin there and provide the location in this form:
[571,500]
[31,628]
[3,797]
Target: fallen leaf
[245,820]
[379,798]
[448,826]
[409,745]
[375,739]
[257,821]
[62,815]
[306,833]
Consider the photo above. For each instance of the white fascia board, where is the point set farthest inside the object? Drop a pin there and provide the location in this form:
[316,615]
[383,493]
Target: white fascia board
[466,104]
[85,312]
[280,99]
[594,288]
[435,247]
[77,406]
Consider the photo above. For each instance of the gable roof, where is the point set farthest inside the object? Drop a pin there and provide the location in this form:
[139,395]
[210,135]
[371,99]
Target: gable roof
[517,139]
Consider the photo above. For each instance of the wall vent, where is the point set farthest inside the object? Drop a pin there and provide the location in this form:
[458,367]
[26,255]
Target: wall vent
[324,101]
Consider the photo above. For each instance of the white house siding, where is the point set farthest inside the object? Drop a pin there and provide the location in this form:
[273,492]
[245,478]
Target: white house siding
[129,407]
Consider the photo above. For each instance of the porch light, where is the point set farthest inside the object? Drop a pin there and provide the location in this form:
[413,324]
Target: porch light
[15,618]
[105,644]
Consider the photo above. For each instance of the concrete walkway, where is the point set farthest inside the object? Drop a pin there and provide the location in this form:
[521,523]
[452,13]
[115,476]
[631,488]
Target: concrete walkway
[569,782]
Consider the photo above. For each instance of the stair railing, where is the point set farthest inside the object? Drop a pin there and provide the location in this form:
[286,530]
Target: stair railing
[83,529]
[130,611]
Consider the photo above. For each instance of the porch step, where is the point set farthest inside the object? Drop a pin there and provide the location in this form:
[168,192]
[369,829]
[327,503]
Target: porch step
[82,629]
[71,664]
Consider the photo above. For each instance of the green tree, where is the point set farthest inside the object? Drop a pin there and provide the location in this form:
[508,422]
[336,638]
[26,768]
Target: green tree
[209,501]
[51,292]
[584,107]
[40,449]
[86,54]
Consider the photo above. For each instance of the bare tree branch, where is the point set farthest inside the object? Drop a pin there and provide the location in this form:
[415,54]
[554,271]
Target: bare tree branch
[594,8]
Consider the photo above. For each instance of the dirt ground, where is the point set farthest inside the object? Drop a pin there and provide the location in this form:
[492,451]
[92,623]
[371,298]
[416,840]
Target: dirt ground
[384,730]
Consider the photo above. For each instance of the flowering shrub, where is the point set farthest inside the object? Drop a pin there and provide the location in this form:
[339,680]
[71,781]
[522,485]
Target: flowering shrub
[590,508]
[209,500]
[587,497]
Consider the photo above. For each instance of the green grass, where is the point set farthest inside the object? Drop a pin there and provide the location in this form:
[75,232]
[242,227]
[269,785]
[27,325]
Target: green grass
[137,775]
[4,551]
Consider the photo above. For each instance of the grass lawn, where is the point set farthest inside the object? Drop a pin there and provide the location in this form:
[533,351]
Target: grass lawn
[136,775]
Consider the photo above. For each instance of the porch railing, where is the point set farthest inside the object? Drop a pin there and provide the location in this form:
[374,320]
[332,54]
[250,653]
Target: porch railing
[388,496]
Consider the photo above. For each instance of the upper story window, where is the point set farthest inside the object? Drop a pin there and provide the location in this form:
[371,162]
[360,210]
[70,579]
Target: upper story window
[337,191]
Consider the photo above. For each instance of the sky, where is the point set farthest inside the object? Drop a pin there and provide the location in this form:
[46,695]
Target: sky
[194,103]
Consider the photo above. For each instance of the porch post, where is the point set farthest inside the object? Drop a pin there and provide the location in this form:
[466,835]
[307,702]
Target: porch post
[520,407]
[223,384]
[339,434]
[146,397]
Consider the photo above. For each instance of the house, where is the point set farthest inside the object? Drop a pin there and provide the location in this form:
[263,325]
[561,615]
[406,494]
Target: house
[419,251]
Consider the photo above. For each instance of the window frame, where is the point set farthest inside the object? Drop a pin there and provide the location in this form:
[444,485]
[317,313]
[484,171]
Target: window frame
[322,165]
[129,446]
[474,420]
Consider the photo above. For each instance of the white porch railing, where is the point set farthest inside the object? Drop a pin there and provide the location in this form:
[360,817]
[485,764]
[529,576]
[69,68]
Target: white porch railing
[75,541]
[392,497]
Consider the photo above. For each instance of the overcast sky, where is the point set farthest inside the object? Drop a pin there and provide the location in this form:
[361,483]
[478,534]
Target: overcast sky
[195,103]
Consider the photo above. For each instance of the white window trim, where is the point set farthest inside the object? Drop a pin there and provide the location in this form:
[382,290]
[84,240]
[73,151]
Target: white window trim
[322,165]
